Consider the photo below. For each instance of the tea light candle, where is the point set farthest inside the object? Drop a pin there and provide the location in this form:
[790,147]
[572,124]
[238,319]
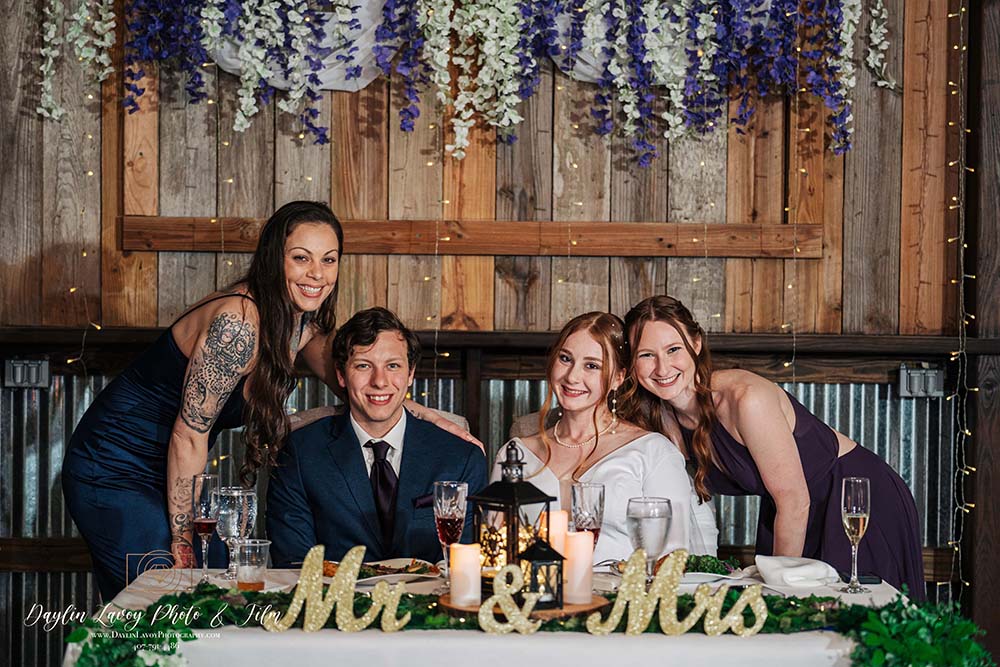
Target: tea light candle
[464,575]
[558,528]
[578,567]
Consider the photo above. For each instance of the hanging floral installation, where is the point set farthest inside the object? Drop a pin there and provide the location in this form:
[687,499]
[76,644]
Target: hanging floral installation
[665,68]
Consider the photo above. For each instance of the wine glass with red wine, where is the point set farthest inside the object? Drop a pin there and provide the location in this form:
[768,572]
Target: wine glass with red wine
[204,514]
[449,515]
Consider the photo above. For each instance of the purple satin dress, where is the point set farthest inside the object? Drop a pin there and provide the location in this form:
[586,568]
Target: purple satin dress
[891,547]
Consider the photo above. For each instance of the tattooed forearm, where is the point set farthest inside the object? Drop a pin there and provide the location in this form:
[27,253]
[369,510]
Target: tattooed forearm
[179,502]
[215,369]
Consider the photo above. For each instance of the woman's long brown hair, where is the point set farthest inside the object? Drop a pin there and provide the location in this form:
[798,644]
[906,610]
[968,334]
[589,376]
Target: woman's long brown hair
[273,377]
[609,331]
[645,409]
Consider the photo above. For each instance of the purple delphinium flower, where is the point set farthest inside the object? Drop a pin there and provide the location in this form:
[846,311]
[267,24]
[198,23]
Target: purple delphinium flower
[161,30]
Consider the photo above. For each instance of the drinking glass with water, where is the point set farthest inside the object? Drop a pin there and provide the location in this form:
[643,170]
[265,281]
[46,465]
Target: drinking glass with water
[648,521]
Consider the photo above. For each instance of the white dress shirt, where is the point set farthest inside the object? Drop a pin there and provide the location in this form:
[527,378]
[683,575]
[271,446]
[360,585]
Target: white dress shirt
[394,437]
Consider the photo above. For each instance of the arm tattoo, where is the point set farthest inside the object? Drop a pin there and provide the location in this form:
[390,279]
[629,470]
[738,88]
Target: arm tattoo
[180,523]
[214,370]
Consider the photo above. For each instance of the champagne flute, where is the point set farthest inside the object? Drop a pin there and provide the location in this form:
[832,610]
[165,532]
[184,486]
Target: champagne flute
[237,514]
[648,521]
[587,507]
[855,508]
[204,514]
[449,515]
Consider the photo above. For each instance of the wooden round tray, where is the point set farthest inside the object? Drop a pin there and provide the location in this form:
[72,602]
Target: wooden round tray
[567,610]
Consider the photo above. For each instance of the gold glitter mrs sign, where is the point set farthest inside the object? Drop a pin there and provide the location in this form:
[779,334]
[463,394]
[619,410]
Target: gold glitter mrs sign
[663,592]
[309,592]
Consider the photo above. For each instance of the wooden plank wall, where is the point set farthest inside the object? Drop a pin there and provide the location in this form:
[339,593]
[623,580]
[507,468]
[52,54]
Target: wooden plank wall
[882,211]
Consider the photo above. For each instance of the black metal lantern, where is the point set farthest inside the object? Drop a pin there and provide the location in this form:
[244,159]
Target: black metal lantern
[543,573]
[502,527]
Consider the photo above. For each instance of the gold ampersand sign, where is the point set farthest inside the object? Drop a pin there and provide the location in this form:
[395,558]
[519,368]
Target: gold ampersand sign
[309,593]
[641,604]
[503,596]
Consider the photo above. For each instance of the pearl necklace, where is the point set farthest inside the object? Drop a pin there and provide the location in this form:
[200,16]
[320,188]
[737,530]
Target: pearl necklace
[593,438]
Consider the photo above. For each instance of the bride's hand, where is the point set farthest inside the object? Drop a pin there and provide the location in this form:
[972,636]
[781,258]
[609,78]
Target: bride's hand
[438,418]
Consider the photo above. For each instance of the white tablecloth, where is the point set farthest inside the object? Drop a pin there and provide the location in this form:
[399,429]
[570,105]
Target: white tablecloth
[250,647]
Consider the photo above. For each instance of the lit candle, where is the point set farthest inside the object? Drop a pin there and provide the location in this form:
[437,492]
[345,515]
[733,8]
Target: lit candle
[558,527]
[578,567]
[464,575]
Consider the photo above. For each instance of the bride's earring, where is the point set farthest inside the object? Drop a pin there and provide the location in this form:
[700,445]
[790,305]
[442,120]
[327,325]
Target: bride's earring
[614,413]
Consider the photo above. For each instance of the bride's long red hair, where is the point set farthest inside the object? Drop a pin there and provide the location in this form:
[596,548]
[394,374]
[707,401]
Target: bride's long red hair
[643,408]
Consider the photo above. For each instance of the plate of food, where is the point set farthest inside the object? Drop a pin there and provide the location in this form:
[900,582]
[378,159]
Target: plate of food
[392,571]
[699,569]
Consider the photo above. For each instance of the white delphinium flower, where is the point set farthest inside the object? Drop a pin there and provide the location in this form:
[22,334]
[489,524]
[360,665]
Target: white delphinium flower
[52,39]
[212,21]
[298,66]
[261,29]
[435,22]
[669,61]
[878,44]
[487,56]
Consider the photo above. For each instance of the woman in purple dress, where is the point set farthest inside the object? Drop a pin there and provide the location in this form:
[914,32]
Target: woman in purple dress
[746,436]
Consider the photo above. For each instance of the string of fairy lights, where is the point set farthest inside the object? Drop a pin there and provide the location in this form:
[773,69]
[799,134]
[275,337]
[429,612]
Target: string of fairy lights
[960,396]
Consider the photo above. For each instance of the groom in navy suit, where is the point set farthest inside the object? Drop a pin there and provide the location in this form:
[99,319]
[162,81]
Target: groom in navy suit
[366,476]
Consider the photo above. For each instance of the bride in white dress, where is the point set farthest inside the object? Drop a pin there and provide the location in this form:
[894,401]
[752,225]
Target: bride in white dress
[589,443]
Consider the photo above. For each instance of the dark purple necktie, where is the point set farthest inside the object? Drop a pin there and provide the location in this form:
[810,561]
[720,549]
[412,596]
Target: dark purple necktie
[384,483]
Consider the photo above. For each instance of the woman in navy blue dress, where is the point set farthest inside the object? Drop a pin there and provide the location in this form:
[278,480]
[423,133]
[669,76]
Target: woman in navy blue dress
[746,436]
[226,362]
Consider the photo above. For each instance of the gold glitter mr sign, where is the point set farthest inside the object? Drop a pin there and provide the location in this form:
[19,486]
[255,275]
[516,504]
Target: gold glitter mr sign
[663,593]
[318,607]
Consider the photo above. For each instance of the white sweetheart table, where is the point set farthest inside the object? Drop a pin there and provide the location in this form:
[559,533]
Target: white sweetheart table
[255,647]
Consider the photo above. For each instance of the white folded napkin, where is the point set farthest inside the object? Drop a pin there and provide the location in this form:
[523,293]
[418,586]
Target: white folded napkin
[795,572]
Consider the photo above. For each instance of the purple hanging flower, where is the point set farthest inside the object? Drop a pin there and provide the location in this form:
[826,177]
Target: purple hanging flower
[164,31]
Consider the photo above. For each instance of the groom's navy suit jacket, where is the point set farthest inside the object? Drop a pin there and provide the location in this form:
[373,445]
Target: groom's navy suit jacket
[320,493]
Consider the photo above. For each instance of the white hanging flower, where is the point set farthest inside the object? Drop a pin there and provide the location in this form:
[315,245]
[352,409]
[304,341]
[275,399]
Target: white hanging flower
[298,66]
[848,28]
[261,29]
[488,33]
[52,39]
[212,21]
[434,20]
[665,51]
[878,44]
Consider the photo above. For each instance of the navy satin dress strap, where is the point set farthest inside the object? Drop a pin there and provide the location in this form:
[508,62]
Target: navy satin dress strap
[114,471]
[891,547]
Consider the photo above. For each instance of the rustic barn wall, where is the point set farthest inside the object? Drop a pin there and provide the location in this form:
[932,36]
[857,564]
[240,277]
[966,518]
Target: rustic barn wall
[882,211]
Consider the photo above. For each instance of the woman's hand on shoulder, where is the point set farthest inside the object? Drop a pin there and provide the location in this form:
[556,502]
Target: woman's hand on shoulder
[439,419]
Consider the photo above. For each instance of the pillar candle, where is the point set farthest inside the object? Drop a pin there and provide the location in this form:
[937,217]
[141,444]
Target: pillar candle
[578,567]
[558,527]
[464,575]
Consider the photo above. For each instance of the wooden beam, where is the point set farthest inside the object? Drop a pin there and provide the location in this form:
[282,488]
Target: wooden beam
[490,237]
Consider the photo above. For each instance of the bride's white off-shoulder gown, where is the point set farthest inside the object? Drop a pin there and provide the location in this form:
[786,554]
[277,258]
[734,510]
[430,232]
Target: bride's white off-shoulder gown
[650,465]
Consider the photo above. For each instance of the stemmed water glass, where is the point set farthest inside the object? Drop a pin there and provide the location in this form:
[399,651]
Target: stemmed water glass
[588,507]
[237,515]
[449,515]
[855,508]
[204,514]
[648,521]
